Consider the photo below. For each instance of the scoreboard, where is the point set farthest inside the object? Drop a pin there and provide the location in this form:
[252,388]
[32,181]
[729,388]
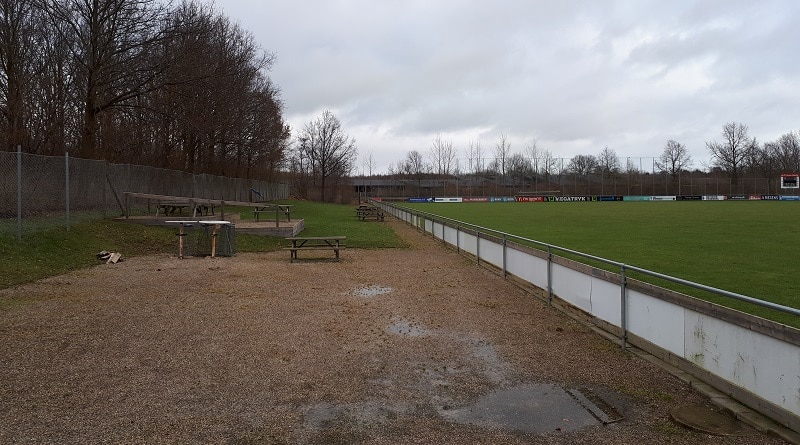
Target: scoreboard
[790,180]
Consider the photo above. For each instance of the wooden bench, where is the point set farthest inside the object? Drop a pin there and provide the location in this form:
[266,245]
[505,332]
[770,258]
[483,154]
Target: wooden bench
[203,210]
[171,207]
[315,243]
[365,212]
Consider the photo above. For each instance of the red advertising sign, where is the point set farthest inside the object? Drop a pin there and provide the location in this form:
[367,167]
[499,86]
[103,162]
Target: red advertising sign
[529,198]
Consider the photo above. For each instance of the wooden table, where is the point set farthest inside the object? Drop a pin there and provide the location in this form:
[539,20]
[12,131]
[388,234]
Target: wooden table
[365,211]
[169,208]
[334,243]
[277,208]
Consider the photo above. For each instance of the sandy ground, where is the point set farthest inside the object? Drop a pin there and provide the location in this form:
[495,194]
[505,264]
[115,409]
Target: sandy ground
[417,345]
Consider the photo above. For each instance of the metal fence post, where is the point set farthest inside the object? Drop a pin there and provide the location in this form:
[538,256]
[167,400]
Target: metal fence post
[549,276]
[478,246]
[66,185]
[504,255]
[19,192]
[623,285]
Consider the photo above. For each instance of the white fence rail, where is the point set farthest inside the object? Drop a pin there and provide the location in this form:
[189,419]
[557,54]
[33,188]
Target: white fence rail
[754,360]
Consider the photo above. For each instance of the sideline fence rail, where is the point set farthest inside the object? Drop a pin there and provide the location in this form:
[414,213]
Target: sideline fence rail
[754,360]
[46,191]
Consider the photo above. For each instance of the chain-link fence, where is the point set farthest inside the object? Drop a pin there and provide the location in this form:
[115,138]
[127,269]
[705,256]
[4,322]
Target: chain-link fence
[50,191]
[641,176]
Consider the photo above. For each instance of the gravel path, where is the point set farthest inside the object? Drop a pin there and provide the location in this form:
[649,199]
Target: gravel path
[392,346]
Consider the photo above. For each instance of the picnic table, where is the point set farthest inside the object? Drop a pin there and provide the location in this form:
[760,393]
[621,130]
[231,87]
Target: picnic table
[366,211]
[334,243]
[276,208]
[170,208]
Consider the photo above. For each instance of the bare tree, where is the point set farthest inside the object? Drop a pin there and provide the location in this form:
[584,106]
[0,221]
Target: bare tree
[582,165]
[20,31]
[608,162]
[730,154]
[261,134]
[442,155]
[114,43]
[549,165]
[534,154]
[674,159]
[219,111]
[137,81]
[608,166]
[369,163]
[631,170]
[518,167]
[502,150]
[414,166]
[475,156]
[787,152]
[328,148]
[764,161]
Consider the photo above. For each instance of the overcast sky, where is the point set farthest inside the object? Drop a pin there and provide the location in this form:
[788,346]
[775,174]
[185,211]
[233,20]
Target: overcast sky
[576,76]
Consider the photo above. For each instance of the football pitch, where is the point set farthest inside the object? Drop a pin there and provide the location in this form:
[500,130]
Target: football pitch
[748,247]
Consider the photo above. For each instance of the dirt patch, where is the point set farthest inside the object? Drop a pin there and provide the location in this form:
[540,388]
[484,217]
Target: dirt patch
[376,348]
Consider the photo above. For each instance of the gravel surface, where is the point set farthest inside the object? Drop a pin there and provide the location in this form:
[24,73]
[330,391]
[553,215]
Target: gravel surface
[416,345]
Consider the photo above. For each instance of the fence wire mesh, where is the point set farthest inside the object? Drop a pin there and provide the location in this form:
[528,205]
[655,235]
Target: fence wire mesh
[40,192]
[203,239]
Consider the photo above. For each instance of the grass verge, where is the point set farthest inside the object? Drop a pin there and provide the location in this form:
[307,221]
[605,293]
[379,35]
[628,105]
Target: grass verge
[51,250]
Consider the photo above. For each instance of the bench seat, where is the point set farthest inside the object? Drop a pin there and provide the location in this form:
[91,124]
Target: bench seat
[315,248]
[365,212]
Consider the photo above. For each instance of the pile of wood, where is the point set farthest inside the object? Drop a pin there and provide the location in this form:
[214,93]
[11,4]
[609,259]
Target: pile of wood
[110,257]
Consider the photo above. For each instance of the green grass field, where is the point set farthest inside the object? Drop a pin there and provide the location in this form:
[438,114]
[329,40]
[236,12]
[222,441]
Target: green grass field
[751,247]
[47,249]
[744,247]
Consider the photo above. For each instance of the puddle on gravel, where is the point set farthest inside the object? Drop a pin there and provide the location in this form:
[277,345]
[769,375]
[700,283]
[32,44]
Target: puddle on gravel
[532,408]
[406,328]
[493,367]
[372,291]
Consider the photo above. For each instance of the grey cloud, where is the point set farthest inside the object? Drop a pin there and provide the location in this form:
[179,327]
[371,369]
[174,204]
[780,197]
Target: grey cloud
[579,75]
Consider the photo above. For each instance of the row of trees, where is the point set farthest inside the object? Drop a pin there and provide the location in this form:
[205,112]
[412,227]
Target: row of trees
[139,81]
[735,155]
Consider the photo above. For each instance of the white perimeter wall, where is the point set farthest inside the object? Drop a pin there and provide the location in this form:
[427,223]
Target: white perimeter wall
[766,367]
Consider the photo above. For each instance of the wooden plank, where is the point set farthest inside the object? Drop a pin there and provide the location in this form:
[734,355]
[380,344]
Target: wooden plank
[325,247]
[330,242]
[216,202]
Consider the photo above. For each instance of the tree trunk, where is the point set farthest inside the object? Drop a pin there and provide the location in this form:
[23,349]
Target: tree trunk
[86,143]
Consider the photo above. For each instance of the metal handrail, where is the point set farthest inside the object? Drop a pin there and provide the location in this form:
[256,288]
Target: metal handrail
[549,247]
